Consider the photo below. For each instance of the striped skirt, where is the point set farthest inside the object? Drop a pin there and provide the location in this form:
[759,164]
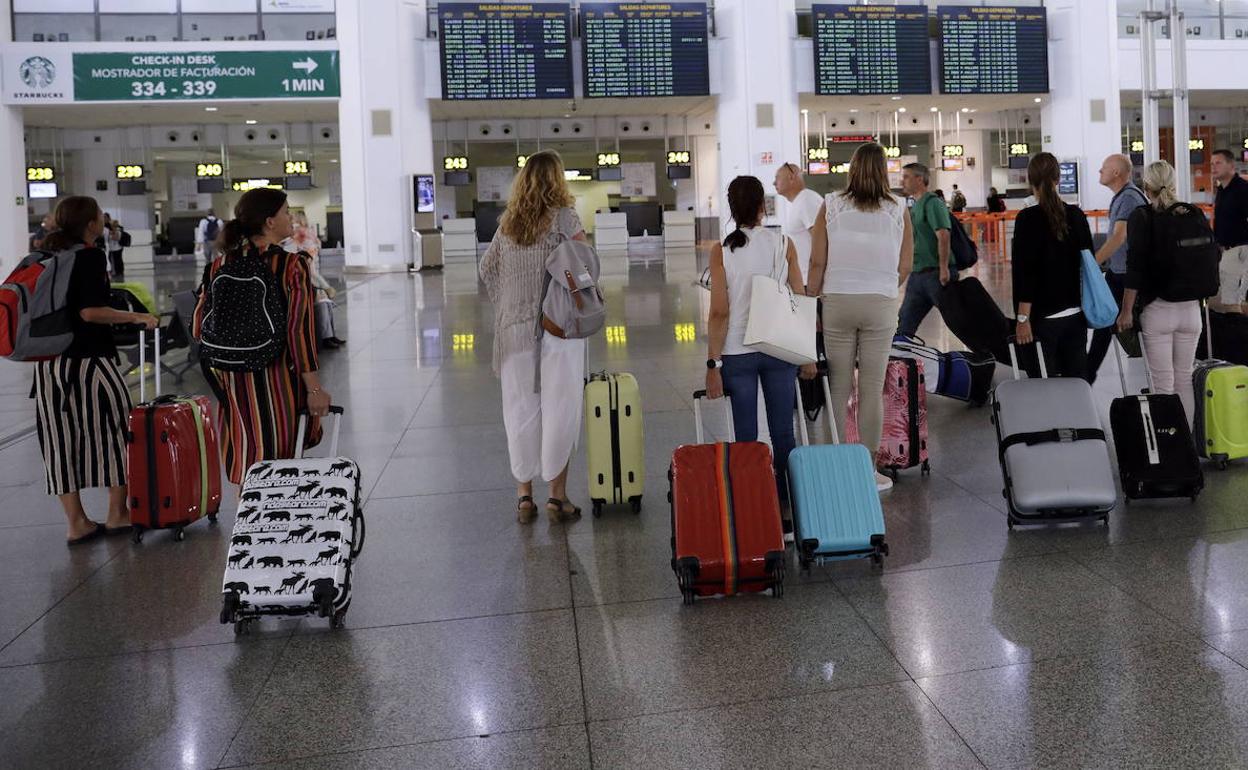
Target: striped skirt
[82,407]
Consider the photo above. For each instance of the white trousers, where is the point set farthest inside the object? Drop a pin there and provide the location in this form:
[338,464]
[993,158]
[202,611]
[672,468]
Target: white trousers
[543,428]
[1170,333]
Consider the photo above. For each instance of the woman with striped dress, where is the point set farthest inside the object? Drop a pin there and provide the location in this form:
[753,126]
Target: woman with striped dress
[82,403]
[259,410]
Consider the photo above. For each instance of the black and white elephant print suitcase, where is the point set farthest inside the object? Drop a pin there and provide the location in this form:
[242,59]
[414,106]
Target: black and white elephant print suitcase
[298,531]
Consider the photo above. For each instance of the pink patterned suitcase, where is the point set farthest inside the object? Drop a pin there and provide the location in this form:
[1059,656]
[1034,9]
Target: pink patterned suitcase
[904,442]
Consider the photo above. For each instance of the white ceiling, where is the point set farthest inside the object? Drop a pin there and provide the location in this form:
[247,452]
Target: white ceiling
[122,115]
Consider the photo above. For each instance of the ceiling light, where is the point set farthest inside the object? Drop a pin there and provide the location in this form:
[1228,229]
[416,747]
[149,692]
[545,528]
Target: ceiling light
[966,109]
[333,160]
[251,122]
[901,109]
[1037,100]
[210,109]
[853,110]
[264,163]
[896,98]
[933,109]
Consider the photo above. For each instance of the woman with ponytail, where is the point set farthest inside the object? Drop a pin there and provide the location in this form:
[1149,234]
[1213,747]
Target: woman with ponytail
[1169,289]
[82,402]
[261,394]
[1048,239]
[732,368]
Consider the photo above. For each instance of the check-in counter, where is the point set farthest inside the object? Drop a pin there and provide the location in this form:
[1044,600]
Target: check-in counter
[139,255]
[611,233]
[459,240]
[679,229]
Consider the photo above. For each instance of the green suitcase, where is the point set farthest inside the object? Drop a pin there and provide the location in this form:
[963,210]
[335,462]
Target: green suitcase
[616,443]
[1222,411]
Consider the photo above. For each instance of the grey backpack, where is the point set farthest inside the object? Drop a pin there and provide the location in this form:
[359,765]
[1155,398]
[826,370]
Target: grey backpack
[572,306]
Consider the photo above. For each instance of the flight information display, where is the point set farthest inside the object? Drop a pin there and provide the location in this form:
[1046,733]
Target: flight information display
[645,49]
[993,50]
[505,50]
[871,49]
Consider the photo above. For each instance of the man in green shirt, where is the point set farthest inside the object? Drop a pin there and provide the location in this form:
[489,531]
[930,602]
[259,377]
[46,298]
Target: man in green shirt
[932,269]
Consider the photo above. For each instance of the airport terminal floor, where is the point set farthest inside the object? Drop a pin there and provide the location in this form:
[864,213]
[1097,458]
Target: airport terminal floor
[473,641]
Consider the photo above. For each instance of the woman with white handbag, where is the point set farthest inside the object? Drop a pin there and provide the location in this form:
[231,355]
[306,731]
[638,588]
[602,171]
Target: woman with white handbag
[862,250]
[759,312]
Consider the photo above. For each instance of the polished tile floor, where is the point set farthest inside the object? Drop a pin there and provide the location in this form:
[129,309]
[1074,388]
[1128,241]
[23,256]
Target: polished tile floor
[475,642]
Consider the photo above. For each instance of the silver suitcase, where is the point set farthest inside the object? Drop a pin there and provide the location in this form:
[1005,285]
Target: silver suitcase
[1052,448]
[298,531]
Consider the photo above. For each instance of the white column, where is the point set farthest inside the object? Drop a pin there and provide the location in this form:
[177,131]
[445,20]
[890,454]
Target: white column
[1081,116]
[382,62]
[13,219]
[756,50]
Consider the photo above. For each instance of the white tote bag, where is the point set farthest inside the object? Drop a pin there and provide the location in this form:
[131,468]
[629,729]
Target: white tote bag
[781,323]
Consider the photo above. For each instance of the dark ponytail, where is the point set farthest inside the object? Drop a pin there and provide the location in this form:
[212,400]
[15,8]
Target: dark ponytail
[1043,173]
[250,215]
[745,200]
[71,219]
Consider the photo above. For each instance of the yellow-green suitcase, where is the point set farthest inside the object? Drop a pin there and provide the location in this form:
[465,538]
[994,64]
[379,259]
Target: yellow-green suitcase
[616,444]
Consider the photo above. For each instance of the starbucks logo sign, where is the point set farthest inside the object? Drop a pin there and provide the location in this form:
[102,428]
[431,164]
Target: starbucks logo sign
[37,72]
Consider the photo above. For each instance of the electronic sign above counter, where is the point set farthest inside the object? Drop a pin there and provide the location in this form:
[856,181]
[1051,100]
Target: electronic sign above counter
[505,51]
[645,49]
[993,50]
[871,50]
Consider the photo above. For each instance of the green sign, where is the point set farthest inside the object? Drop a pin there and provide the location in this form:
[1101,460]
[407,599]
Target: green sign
[207,75]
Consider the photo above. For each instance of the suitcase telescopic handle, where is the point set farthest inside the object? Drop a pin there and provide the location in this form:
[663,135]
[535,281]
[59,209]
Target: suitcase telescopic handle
[824,382]
[337,412]
[1208,332]
[698,395]
[143,363]
[1012,342]
[1120,355]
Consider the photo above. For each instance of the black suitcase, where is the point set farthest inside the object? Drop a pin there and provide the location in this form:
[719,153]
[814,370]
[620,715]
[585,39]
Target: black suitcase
[976,319]
[1153,440]
[1230,337]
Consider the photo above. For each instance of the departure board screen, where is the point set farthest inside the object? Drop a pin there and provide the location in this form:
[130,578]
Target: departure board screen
[871,49]
[505,50]
[993,50]
[645,49]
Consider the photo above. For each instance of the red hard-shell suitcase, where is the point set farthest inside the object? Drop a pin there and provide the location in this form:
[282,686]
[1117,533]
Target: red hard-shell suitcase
[726,531]
[903,443]
[174,464]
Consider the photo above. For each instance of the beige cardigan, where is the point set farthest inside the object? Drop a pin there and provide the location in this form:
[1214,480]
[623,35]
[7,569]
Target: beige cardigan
[513,275]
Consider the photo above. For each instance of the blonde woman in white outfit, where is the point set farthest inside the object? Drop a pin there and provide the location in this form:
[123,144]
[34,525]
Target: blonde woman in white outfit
[542,427]
[861,253]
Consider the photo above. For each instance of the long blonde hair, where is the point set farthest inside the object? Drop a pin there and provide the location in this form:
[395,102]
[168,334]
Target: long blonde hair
[1158,181]
[868,178]
[538,193]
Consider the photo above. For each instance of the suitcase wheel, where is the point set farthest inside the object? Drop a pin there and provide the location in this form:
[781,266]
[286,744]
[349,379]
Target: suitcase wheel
[339,619]
[137,537]
[635,503]
[926,470]
[597,509]
[179,535]
[1221,461]
[229,607]
[212,517]
[242,626]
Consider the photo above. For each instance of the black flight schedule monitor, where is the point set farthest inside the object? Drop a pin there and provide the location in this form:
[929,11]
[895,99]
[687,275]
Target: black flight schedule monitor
[871,49]
[645,49]
[993,50]
[505,50]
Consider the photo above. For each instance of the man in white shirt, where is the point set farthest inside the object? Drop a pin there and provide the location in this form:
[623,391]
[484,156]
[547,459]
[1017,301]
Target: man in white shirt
[800,213]
[206,233]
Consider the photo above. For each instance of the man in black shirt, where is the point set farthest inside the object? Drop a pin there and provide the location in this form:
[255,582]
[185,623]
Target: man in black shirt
[1230,227]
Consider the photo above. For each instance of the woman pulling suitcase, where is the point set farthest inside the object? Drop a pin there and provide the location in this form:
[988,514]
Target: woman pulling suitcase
[1048,239]
[81,399]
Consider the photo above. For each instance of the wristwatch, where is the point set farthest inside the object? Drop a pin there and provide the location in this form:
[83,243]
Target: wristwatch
[1022,318]
[714,363]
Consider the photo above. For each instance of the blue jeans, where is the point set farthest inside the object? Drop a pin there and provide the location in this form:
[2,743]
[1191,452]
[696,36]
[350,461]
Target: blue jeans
[922,294]
[741,375]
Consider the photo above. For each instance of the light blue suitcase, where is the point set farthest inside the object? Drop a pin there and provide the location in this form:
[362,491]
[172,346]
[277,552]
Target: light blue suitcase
[836,507]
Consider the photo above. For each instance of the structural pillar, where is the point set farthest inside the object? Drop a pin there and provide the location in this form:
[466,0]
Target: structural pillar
[1082,116]
[758,114]
[385,128]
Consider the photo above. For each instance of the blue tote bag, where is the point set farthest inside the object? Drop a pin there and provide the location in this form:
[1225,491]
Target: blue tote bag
[1099,306]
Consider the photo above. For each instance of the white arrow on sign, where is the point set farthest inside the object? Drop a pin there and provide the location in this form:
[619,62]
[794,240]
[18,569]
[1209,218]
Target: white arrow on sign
[308,65]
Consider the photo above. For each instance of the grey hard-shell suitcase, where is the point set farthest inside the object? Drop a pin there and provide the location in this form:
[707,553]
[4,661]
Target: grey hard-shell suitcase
[298,531]
[1054,457]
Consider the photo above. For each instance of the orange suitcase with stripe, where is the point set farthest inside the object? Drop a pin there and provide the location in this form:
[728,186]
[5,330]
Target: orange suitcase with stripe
[726,532]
